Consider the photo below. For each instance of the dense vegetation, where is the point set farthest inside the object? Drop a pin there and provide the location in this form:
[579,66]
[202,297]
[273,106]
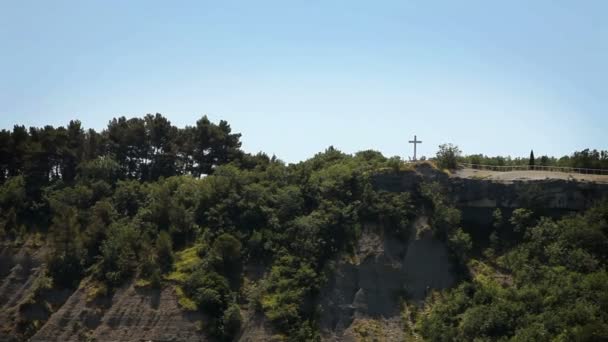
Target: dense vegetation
[146,202]
[130,203]
[549,283]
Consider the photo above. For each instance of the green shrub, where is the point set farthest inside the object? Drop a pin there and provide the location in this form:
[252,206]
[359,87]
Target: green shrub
[447,157]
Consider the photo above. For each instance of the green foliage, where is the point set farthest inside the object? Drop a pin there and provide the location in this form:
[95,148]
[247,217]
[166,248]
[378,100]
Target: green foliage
[209,290]
[129,196]
[121,201]
[164,251]
[232,321]
[186,261]
[393,210]
[226,255]
[12,193]
[101,168]
[290,284]
[446,218]
[447,156]
[66,259]
[531,162]
[9,226]
[209,280]
[521,218]
[460,244]
[498,220]
[556,288]
[119,253]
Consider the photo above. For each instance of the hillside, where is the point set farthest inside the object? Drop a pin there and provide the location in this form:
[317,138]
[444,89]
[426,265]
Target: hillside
[146,231]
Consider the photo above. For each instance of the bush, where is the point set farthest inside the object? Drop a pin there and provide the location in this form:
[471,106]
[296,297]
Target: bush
[164,251]
[447,156]
[290,282]
[66,268]
[119,253]
[231,321]
[460,244]
[210,291]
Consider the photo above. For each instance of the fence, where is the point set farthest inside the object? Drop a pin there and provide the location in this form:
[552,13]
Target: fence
[536,168]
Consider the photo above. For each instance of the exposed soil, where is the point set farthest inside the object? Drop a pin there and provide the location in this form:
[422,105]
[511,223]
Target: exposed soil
[20,269]
[364,295]
[131,314]
[509,176]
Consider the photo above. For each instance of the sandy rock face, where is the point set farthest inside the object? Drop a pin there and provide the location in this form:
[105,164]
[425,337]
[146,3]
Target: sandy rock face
[365,293]
[131,314]
[21,270]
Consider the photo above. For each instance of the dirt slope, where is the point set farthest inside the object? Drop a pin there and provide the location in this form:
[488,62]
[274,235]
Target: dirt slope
[21,271]
[131,314]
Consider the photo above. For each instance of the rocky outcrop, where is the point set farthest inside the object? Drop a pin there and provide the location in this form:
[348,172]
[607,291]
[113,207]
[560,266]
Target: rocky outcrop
[21,286]
[31,311]
[545,194]
[562,194]
[368,290]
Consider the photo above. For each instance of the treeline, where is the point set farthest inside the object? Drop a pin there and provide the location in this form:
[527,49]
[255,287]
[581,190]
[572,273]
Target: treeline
[137,148]
[590,159]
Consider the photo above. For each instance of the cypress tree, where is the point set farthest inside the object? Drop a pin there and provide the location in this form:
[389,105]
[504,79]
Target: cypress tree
[531,163]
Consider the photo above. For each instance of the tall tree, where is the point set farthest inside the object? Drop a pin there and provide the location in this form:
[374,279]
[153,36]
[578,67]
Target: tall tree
[128,145]
[215,145]
[18,150]
[66,261]
[161,135]
[73,152]
[185,144]
[38,159]
[531,162]
[5,154]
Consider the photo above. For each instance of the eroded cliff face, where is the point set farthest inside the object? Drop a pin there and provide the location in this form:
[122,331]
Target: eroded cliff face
[130,314]
[559,194]
[362,296]
[21,283]
[368,290]
[31,311]
[543,194]
[477,198]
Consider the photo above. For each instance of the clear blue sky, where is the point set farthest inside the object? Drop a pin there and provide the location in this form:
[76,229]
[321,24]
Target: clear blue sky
[494,77]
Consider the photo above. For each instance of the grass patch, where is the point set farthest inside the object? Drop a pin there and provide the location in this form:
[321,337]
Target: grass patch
[185,261]
[368,330]
[184,301]
[143,283]
[94,290]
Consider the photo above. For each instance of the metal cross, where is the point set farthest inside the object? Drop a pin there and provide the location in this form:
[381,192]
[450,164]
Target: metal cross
[415,142]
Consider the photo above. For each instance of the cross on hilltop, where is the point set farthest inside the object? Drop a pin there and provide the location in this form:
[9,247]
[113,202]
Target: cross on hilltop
[415,142]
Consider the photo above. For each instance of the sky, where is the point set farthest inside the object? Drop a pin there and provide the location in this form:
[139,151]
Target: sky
[294,77]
